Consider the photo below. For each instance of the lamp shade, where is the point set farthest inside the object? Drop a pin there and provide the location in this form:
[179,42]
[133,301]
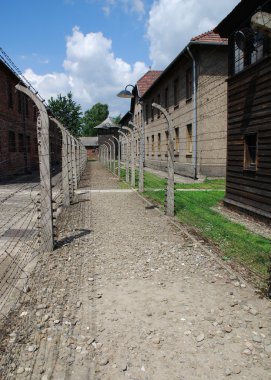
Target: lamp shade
[125,94]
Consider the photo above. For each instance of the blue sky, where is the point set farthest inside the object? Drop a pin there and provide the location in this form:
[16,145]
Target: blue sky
[95,47]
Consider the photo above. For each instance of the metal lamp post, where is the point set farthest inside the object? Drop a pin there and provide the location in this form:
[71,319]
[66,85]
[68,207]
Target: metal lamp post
[128,95]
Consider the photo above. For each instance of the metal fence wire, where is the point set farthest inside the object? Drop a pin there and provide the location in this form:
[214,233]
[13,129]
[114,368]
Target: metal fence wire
[40,166]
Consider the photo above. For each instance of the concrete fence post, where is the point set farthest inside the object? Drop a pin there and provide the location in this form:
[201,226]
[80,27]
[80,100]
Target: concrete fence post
[118,141]
[46,212]
[130,130]
[113,155]
[109,155]
[141,133]
[127,177]
[170,168]
[65,163]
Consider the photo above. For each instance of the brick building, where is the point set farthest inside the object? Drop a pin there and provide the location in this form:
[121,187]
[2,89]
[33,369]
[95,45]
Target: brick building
[199,117]
[18,142]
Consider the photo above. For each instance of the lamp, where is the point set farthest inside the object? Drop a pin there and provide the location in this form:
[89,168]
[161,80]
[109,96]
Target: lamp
[126,93]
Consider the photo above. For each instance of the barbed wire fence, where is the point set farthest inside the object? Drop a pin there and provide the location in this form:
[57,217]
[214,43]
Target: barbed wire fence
[41,164]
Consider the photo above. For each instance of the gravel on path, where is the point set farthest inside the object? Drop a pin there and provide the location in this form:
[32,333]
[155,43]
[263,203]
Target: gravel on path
[127,295]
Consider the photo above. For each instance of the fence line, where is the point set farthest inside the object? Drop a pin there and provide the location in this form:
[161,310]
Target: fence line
[46,163]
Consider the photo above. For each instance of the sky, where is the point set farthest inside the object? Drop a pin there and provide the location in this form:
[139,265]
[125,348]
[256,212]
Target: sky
[94,48]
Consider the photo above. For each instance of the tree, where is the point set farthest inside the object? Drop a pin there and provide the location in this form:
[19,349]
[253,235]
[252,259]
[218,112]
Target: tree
[68,112]
[117,119]
[93,117]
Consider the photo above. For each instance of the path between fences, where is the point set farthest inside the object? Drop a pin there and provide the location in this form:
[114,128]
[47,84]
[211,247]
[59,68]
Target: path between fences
[128,295]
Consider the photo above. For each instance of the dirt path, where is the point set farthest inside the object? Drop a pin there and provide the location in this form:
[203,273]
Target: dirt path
[128,296]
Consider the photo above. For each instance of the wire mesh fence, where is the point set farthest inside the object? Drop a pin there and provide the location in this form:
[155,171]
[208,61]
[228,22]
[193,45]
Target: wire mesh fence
[40,167]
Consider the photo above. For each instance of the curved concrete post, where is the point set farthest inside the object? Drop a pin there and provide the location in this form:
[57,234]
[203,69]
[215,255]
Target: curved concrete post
[141,155]
[170,168]
[46,212]
[127,177]
[65,164]
[118,141]
[130,130]
[113,155]
[109,154]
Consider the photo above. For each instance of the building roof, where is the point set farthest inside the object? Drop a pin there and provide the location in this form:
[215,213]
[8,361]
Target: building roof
[240,15]
[107,124]
[89,141]
[209,37]
[146,81]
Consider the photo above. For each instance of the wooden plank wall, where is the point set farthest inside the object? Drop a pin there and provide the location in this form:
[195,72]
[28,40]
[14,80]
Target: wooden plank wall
[249,111]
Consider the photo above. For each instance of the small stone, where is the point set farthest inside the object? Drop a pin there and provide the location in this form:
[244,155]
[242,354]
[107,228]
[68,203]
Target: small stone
[149,314]
[257,339]
[200,337]
[20,370]
[227,328]
[91,340]
[78,349]
[103,361]
[23,314]
[99,346]
[32,348]
[228,372]
[41,306]
[156,340]
[236,283]
[123,366]
[268,348]
[188,332]
[56,321]
[247,352]
[26,289]
[44,377]
[253,311]
[236,370]
[243,286]
[249,346]
[78,305]
[45,318]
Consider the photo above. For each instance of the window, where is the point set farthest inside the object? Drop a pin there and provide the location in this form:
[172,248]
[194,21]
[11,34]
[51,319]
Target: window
[158,102]
[10,95]
[250,151]
[166,97]
[159,143]
[28,142]
[189,89]
[177,140]
[34,113]
[176,92]
[26,106]
[152,110]
[147,113]
[166,133]
[148,146]
[11,141]
[255,49]
[19,99]
[189,144]
[152,144]
[21,143]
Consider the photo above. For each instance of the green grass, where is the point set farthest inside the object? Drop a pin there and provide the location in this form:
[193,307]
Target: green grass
[195,209]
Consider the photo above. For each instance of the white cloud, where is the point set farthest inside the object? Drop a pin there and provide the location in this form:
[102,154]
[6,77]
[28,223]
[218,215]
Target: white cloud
[133,6]
[173,23]
[91,72]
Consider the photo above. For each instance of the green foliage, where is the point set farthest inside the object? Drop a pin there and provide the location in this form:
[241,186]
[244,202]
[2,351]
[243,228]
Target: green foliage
[67,111]
[196,209]
[117,119]
[93,117]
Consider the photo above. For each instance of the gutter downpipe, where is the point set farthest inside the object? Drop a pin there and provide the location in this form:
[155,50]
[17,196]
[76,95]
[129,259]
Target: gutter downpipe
[195,126]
